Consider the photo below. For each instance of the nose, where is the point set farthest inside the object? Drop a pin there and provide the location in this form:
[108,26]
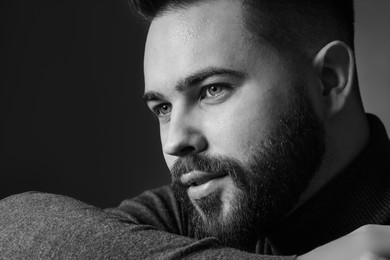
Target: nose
[184,136]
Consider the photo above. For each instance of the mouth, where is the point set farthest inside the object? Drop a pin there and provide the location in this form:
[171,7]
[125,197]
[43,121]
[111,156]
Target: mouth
[201,184]
[196,178]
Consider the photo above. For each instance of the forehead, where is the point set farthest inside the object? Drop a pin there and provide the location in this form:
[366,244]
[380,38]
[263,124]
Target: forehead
[182,41]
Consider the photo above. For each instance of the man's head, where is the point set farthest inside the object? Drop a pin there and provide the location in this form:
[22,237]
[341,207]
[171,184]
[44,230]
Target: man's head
[247,93]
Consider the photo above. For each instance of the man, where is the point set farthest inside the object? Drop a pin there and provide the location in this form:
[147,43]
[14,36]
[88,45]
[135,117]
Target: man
[264,131]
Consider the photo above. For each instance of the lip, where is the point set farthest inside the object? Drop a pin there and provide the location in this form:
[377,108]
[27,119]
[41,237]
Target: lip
[201,184]
[196,178]
[207,188]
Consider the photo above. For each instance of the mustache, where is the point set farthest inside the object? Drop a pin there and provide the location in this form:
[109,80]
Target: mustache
[207,163]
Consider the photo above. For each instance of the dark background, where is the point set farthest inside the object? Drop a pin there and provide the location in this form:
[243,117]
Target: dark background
[74,121]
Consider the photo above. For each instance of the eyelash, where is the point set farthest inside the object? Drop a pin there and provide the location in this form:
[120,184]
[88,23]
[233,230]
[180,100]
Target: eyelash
[157,108]
[224,87]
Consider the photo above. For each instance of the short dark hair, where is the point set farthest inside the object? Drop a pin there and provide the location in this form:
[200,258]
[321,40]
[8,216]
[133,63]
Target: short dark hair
[292,26]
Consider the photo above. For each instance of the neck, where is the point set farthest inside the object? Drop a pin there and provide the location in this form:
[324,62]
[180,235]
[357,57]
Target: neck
[347,135]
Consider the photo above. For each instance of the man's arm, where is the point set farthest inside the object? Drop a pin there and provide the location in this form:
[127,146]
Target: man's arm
[47,226]
[41,226]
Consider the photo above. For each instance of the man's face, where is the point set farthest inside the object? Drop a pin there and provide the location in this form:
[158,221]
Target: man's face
[237,127]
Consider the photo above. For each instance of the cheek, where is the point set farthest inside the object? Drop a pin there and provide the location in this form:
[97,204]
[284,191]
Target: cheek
[244,130]
[242,124]
[169,160]
[231,131]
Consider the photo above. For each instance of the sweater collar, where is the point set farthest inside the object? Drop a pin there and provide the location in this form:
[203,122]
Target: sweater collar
[358,196]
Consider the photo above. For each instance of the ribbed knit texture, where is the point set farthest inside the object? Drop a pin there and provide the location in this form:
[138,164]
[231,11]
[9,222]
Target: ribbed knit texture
[358,196]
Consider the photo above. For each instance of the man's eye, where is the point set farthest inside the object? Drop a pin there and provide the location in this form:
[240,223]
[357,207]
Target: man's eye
[213,90]
[163,109]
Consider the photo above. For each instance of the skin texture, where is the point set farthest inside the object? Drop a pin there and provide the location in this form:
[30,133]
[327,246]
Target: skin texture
[229,114]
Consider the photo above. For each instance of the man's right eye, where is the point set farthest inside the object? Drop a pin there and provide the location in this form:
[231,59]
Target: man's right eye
[162,110]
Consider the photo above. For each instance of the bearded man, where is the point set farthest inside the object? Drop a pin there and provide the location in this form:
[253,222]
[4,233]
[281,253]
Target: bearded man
[261,122]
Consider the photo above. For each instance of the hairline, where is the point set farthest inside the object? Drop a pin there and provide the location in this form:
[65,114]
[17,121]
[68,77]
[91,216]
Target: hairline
[293,54]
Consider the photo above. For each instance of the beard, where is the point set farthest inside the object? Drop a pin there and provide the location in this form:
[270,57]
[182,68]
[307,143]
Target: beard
[266,187]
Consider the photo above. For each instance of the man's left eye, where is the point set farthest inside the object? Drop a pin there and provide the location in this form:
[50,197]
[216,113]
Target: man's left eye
[214,90]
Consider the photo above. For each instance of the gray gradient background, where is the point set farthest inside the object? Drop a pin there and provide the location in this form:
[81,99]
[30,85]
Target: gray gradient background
[74,120]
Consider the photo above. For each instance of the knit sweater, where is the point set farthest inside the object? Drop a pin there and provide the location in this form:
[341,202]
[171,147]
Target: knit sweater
[153,225]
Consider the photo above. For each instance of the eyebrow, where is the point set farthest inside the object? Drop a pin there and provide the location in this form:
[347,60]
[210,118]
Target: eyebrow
[195,79]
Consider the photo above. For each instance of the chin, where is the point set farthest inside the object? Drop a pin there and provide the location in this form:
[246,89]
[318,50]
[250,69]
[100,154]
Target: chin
[224,215]
[220,205]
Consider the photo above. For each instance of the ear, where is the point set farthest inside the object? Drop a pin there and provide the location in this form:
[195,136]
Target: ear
[335,66]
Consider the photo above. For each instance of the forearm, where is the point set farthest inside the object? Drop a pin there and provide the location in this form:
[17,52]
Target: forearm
[37,225]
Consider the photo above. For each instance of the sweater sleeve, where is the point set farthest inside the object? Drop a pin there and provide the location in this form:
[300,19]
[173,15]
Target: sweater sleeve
[46,226]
